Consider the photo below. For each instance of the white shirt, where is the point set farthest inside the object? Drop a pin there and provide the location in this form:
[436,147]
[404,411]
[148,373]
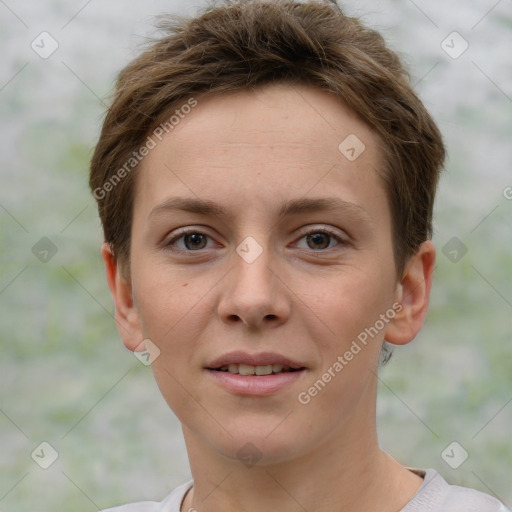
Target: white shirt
[435,495]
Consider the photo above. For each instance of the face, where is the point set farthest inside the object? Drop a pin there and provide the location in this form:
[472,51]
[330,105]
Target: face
[260,245]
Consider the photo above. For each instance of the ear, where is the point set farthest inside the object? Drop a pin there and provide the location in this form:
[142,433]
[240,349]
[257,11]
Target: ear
[126,314]
[413,293]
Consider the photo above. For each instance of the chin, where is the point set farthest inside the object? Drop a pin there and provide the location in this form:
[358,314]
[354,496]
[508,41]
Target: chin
[263,441]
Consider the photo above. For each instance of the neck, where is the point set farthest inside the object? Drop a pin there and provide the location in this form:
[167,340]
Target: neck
[348,473]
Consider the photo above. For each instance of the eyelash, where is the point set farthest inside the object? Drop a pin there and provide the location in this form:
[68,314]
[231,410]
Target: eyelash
[188,231]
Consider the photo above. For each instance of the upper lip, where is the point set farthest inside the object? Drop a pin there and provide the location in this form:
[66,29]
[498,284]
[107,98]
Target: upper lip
[260,359]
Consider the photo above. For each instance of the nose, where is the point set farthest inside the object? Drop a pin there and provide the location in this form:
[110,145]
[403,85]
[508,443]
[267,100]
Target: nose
[255,292]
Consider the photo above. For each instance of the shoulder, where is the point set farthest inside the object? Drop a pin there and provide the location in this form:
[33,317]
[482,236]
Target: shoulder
[172,503]
[142,506]
[463,499]
[437,495]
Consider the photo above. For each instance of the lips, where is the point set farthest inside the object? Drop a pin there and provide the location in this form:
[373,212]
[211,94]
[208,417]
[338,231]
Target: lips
[263,363]
[246,369]
[255,375]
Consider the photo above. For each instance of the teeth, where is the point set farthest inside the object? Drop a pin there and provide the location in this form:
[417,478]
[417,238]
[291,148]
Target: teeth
[247,369]
[263,370]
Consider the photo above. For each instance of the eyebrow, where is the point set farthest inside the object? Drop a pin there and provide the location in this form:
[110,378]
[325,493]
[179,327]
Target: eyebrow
[289,208]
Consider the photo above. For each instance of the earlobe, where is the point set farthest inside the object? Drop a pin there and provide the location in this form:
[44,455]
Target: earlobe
[413,294]
[126,314]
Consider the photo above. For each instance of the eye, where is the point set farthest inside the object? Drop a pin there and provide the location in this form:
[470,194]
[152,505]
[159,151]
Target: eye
[320,239]
[193,240]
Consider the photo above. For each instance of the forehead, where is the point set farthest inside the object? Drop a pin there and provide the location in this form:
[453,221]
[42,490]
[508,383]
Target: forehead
[277,141]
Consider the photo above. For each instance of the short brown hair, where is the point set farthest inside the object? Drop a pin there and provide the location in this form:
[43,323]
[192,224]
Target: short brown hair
[245,44]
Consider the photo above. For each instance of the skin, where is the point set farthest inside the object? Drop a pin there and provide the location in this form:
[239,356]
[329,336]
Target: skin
[250,151]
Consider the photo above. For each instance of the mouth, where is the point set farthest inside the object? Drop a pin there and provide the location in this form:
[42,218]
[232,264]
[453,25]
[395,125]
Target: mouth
[247,369]
[262,374]
[263,363]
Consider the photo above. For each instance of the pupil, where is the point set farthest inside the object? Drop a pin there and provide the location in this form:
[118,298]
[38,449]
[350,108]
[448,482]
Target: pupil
[317,239]
[195,238]
[321,239]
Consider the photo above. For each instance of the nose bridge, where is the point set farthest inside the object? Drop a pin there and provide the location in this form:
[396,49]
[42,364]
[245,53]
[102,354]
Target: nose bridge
[253,292]
[252,262]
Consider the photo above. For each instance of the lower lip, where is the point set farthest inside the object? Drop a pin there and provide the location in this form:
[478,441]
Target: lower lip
[255,385]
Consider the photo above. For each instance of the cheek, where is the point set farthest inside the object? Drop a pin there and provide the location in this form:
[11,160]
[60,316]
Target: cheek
[345,305]
[174,312]
[163,298]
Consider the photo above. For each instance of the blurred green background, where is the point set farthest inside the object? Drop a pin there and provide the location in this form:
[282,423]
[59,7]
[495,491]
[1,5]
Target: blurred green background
[65,377]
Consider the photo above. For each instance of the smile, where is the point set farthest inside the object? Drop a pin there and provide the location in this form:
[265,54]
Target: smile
[247,369]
